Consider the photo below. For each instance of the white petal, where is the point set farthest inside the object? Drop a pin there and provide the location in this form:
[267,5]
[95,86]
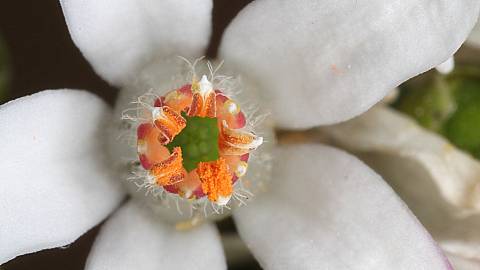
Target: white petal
[327,210]
[447,66]
[474,38]
[384,130]
[460,263]
[119,37]
[320,62]
[439,182]
[134,239]
[455,232]
[54,183]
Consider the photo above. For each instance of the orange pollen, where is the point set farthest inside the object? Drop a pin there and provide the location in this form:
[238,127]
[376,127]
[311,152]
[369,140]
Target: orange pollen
[215,178]
[170,124]
[203,106]
[196,105]
[210,107]
[169,171]
[235,137]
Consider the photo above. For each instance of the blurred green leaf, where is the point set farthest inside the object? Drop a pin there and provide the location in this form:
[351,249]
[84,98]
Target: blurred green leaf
[429,100]
[463,127]
[448,105]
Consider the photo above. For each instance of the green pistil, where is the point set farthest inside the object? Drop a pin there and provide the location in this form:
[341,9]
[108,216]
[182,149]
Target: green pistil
[448,105]
[198,140]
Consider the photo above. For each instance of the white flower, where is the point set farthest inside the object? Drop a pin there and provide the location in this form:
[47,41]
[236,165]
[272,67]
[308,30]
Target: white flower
[440,183]
[474,38]
[316,63]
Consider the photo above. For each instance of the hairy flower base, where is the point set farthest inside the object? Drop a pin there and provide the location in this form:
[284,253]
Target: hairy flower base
[192,142]
[188,164]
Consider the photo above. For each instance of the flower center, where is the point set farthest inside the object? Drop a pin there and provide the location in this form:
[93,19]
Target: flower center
[193,142]
[198,141]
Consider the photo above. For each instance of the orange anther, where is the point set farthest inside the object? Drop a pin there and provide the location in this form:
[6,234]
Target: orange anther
[169,171]
[237,142]
[216,179]
[169,122]
[196,106]
[210,107]
[203,106]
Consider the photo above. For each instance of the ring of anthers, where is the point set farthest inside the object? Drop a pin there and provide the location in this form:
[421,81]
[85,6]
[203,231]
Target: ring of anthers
[194,143]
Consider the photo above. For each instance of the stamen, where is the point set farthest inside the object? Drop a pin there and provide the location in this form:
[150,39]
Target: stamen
[203,102]
[168,122]
[237,142]
[193,144]
[232,107]
[229,111]
[189,188]
[150,150]
[241,169]
[180,99]
[169,171]
[237,165]
[216,180]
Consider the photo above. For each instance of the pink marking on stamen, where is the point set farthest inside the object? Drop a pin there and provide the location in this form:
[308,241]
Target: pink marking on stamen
[186,89]
[150,150]
[170,170]
[171,188]
[180,99]
[210,109]
[145,162]
[190,187]
[233,161]
[196,105]
[170,123]
[159,102]
[245,157]
[234,120]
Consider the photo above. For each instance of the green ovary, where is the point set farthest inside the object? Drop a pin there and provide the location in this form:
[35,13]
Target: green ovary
[198,141]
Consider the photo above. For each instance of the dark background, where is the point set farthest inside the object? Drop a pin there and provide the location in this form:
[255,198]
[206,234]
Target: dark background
[42,56]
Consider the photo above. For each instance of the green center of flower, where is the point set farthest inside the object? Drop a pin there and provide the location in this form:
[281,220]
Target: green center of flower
[198,141]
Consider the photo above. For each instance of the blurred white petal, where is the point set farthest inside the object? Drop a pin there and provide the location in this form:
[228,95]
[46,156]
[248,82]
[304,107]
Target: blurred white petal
[460,263]
[120,37]
[135,239]
[474,38]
